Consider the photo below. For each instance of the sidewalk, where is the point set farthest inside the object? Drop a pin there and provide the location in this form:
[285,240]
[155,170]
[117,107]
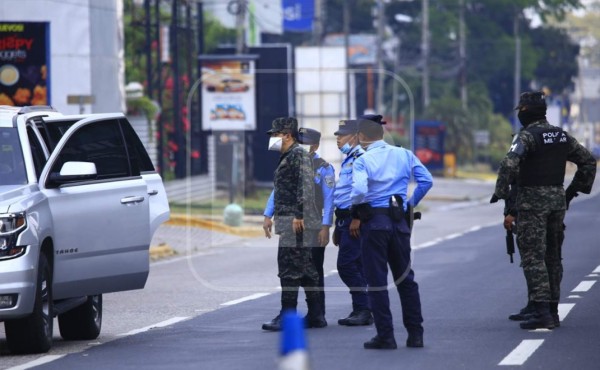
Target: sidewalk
[183,235]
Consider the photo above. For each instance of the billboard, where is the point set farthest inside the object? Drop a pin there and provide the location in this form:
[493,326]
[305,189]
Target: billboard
[228,95]
[362,48]
[298,15]
[24,63]
[429,143]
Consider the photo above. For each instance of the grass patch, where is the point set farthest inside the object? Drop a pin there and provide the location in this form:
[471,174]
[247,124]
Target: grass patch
[252,205]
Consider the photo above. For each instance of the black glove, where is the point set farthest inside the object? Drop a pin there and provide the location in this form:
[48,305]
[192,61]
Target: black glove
[570,194]
[494,199]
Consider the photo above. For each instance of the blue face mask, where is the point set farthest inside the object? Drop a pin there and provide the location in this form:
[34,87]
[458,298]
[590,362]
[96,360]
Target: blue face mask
[346,148]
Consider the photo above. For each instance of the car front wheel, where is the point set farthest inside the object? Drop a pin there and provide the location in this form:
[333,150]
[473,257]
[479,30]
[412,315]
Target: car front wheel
[83,322]
[33,334]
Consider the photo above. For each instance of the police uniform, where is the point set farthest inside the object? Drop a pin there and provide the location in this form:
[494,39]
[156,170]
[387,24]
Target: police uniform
[384,171]
[324,177]
[349,260]
[324,186]
[537,161]
[293,198]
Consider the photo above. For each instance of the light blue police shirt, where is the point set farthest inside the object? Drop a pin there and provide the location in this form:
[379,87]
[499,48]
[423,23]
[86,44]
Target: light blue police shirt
[343,187]
[385,170]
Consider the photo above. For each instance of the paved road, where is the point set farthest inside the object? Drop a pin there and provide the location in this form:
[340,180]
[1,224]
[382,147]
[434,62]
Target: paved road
[467,284]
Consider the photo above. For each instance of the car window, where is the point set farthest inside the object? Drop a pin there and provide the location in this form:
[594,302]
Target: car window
[53,131]
[12,165]
[137,153]
[100,143]
[37,152]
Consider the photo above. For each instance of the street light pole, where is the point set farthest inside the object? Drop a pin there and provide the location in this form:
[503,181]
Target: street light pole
[346,49]
[425,51]
[380,71]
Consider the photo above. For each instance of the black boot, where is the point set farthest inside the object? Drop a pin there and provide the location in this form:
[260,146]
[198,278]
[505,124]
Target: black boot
[541,319]
[275,324]
[381,343]
[524,314]
[357,318]
[314,317]
[554,313]
[415,339]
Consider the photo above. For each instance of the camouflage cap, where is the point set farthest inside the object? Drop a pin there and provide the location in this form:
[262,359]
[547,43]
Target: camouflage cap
[284,124]
[532,99]
[308,136]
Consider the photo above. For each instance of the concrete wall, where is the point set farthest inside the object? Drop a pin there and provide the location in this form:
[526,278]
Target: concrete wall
[86,49]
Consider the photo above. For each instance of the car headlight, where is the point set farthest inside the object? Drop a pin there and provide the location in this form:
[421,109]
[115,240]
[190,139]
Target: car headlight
[11,225]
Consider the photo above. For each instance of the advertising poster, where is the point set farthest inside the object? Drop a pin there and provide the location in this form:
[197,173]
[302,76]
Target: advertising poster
[429,144]
[298,15]
[228,95]
[24,63]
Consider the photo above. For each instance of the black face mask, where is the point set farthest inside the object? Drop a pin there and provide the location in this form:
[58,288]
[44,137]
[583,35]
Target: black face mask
[529,116]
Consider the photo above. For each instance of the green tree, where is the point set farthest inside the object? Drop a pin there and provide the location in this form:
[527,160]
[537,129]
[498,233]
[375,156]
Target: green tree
[135,69]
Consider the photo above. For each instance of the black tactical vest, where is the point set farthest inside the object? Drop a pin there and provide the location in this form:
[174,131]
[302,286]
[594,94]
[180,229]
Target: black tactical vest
[546,165]
[317,164]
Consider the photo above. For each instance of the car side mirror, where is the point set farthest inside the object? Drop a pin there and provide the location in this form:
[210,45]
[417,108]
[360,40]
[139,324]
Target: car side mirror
[73,172]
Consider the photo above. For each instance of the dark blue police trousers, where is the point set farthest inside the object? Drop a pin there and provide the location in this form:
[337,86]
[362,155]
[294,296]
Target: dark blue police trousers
[350,265]
[384,243]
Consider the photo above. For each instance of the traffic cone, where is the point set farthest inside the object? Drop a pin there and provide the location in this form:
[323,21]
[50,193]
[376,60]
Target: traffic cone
[293,343]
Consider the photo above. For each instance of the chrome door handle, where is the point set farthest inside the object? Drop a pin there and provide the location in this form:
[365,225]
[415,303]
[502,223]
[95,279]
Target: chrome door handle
[130,200]
[153,192]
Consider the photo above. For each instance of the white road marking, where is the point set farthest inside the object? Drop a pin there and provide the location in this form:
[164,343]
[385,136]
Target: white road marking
[584,286]
[524,350]
[574,296]
[596,271]
[244,299]
[564,309]
[541,330]
[593,275]
[436,241]
[158,325]
[40,361]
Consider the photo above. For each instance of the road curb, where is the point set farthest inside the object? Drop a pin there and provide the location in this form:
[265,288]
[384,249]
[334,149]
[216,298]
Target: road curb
[161,251]
[190,221]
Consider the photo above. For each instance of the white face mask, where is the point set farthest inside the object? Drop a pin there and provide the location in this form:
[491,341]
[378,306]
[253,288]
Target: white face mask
[275,143]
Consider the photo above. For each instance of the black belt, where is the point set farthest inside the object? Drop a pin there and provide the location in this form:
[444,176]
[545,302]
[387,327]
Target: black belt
[342,212]
[381,211]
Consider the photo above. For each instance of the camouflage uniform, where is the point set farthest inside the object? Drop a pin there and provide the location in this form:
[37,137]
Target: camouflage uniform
[294,198]
[541,210]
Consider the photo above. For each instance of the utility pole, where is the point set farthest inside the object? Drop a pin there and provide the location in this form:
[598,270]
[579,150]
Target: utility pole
[462,38]
[346,49]
[161,131]
[318,23]
[149,87]
[380,67]
[425,53]
[517,86]
[395,83]
[240,18]
[180,154]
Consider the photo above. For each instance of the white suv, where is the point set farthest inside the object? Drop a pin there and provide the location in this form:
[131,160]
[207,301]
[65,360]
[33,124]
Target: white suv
[79,203]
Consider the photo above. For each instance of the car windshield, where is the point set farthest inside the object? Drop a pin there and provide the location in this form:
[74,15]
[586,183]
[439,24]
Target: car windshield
[12,166]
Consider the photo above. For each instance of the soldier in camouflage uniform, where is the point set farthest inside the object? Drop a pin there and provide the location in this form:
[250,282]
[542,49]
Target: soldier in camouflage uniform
[536,161]
[297,222]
